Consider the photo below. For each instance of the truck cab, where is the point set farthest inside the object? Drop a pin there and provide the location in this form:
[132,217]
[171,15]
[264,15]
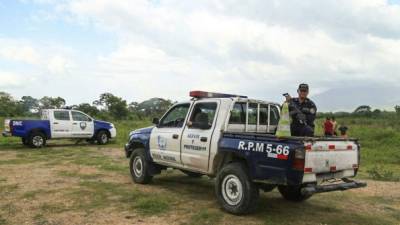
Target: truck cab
[59,124]
[232,138]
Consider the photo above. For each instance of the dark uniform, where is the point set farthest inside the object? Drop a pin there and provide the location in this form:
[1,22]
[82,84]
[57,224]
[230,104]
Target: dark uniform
[303,116]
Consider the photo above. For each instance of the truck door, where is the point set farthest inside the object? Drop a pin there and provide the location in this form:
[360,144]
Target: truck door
[165,140]
[61,124]
[197,135]
[82,125]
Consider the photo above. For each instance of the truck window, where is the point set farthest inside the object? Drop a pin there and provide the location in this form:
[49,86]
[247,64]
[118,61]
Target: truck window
[253,113]
[203,115]
[175,117]
[61,115]
[263,114]
[274,115]
[77,116]
[238,114]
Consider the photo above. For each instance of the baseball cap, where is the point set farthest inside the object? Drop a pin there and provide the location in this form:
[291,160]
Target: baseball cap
[303,87]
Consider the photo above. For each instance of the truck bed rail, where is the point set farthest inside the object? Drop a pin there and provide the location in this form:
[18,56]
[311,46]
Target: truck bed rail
[261,135]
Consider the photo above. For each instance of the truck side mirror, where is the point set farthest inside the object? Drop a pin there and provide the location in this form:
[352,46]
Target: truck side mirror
[156,121]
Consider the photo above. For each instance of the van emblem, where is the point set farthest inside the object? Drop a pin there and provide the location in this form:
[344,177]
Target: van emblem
[162,142]
[82,125]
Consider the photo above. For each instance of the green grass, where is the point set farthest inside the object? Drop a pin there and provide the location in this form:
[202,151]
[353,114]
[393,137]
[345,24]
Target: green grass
[379,138]
[94,195]
[205,216]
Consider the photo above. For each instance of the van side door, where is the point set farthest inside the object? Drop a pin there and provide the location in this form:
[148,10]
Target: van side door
[165,139]
[82,125]
[60,123]
[197,135]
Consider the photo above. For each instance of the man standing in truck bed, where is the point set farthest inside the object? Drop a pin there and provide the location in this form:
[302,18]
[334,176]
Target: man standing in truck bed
[302,111]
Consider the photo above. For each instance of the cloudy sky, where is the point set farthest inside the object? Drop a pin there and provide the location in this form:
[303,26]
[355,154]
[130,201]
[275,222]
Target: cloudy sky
[347,50]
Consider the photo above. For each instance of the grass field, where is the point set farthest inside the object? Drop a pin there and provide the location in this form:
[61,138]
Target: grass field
[68,183]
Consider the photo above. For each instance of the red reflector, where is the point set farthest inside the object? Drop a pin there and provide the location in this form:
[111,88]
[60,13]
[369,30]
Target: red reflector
[308,170]
[355,166]
[308,147]
[331,147]
[349,147]
[285,157]
[333,168]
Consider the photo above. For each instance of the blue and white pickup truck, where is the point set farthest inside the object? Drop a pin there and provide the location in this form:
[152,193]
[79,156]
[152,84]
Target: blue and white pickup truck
[57,124]
[232,138]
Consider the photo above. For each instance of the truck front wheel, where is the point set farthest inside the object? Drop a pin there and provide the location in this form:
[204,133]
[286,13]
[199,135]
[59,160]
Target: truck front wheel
[37,140]
[293,193]
[235,191]
[139,167]
[102,137]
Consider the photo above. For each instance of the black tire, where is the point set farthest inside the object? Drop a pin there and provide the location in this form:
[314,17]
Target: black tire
[192,174]
[139,167]
[25,141]
[235,191]
[293,193]
[37,140]
[102,137]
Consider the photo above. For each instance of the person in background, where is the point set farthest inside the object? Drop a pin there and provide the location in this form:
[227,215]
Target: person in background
[328,127]
[333,120]
[343,131]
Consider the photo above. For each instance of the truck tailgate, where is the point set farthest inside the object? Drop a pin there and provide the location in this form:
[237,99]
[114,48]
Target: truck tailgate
[340,157]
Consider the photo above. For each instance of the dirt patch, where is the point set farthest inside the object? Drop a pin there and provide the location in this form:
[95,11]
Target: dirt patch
[67,192]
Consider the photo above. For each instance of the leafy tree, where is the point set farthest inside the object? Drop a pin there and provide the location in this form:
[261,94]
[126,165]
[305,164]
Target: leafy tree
[115,106]
[154,107]
[363,109]
[29,104]
[8,106]
[51,103]
[88,109]
[397,108]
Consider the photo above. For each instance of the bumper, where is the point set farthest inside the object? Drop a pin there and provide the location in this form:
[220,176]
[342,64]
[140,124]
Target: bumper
[6,134]
[127,151]
[346,185]
[113,132]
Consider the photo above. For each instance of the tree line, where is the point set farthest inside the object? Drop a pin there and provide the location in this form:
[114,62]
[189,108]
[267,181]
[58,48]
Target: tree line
[107,106]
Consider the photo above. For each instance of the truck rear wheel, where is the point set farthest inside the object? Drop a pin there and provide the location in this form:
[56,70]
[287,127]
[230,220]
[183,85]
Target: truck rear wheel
[293,193]
[235,191]
[102,137]
[37,140]
[139,167]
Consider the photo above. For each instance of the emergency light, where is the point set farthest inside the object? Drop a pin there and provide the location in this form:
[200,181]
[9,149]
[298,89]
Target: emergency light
[205,94]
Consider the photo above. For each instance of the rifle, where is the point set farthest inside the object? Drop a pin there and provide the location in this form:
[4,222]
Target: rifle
[298,111]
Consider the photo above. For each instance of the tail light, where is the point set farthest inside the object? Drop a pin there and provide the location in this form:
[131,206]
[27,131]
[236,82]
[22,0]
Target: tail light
[298,161]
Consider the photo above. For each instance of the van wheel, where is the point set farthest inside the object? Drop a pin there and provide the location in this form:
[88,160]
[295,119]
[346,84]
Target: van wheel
[102,137]
[192,174]
[293,193]
[235,191]
[139,167]
[37,140]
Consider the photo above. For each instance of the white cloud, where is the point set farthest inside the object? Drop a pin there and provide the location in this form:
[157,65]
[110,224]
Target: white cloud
[260,48]
[10,80]
[53,59]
